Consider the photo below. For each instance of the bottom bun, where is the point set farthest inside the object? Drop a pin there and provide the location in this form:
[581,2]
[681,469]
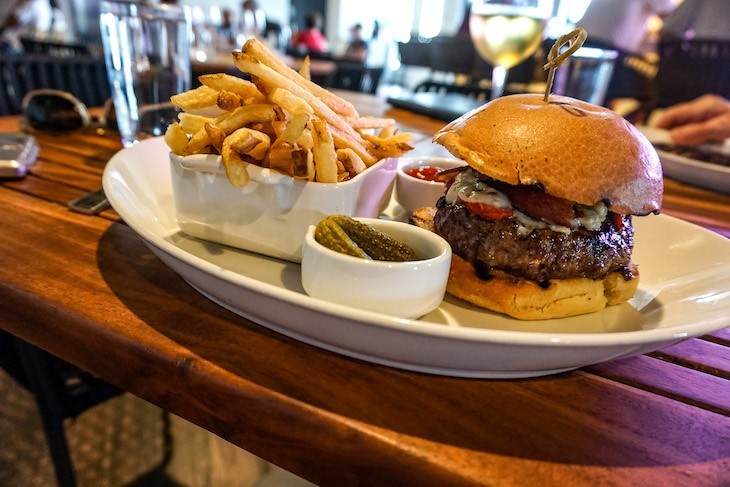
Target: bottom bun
[526,300]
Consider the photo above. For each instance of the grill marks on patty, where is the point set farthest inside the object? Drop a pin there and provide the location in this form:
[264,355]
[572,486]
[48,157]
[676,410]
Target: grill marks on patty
[541,255]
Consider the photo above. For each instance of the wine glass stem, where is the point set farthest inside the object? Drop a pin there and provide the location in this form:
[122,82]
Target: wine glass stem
[499,76]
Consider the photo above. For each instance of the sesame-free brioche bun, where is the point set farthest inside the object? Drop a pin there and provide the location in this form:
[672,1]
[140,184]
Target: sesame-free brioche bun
[575,150]
[527,300]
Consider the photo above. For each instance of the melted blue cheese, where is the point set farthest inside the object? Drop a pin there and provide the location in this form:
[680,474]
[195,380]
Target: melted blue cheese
[593,216]
[469,188]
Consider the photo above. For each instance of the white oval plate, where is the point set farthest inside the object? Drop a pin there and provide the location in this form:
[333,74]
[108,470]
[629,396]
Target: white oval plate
[693,171]
[684,292]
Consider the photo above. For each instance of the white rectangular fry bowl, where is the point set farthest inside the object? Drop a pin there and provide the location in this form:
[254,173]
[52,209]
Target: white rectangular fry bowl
[271,214]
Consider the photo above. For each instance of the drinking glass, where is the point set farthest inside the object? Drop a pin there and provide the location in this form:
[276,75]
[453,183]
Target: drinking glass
[506,32]
[147,56]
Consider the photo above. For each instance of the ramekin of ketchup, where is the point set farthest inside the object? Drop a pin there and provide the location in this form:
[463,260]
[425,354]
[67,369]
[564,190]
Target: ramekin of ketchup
[425,173]
[415,181]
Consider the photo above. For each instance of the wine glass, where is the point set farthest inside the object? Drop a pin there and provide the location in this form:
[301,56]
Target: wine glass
[506,32]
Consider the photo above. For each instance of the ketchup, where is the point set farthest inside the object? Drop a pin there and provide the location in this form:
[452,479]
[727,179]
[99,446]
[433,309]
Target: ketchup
[425,173]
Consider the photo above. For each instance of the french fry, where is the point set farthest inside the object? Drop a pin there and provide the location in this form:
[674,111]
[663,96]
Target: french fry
[401,138]
[280,157]
[247,114]
[325,157]
[304,69]
[243,141]
[388,147]
[251,142]
[264,127]
[292,104]
[239,117]
[349,137]
[225,82]
[199,141]
[292,160]
[228,101]
[215,135]
[260,52]
[299,110]
[280,120]
[342,143]
[303,162]
[370,122]
[192,123]
[305,140]
[351,162]
[200,97]
[176,139]
[233,164]
[388,131]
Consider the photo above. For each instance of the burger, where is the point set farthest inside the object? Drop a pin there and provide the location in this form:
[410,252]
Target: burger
[539,220]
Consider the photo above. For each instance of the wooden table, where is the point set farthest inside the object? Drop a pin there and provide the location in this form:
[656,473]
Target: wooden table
[88,290]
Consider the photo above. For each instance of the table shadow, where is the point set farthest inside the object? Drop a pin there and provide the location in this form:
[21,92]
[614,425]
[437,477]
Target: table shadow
[570,418]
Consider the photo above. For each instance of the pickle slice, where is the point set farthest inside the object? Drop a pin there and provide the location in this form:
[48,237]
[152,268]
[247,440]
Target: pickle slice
[332,236]
[343,234]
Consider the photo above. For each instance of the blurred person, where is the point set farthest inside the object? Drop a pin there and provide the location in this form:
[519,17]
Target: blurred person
[276,35]
[622,26]
[227,29]
[694,58]
[698,19]
[704,119]
[253,19]
[357,49]
[59,26]
[310,39]
[29,18]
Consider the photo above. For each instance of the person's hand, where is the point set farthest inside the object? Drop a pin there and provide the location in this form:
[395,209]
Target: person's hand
[704,119]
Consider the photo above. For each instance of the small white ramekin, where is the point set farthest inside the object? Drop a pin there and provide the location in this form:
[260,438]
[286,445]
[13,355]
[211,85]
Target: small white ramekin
[402,289]
[412,193]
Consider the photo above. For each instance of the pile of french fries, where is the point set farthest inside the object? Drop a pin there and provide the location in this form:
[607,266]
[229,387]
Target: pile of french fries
[280,120]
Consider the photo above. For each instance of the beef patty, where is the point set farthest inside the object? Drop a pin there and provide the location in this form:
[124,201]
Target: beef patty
[541,255]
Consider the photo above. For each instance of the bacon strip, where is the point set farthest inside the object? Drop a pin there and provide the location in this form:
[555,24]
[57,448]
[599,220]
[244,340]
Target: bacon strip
[539,205]
[447,175]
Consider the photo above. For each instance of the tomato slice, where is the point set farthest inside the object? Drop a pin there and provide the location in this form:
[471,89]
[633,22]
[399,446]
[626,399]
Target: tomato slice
[488,212]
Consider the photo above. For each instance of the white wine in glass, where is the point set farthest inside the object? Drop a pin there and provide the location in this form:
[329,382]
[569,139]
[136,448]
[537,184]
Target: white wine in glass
[506,32]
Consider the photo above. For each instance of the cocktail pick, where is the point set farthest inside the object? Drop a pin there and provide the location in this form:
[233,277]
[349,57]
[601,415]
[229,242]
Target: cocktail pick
[574,40]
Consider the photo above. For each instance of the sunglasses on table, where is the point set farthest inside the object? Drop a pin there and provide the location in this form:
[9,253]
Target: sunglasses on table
[59,111]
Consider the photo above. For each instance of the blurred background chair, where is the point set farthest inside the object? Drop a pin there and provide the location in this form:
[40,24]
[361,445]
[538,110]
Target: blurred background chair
[356,77]
[414,53]
[83,76]
[469,90]
[456,67]
[691,68]
[57,49]
[454,56]
[61,391]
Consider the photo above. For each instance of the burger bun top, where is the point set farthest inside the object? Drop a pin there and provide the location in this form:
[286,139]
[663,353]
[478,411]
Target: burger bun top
[574,150]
